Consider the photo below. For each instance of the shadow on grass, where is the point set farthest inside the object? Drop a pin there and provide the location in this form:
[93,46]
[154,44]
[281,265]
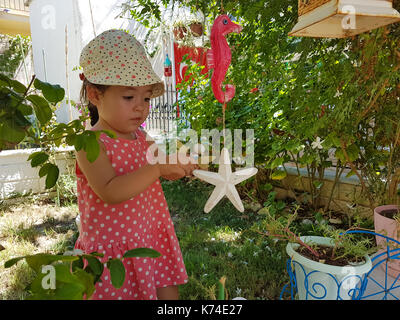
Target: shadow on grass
[20,278]
[50,225]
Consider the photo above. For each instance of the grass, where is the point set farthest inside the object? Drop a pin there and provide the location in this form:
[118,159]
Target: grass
[217,244]
[223,243]
[34,226]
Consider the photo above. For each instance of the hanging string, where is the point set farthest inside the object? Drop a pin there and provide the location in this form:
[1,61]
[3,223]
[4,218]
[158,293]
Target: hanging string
[223,122]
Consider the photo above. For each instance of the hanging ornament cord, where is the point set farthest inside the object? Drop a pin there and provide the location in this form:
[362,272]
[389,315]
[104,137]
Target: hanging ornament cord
[224,122]
[224,106]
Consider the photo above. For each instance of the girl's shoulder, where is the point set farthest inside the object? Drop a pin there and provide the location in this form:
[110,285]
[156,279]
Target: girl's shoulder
[140,134]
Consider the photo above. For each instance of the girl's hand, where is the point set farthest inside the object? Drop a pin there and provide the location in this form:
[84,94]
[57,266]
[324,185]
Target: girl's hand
[175,169]
[192,165]
[174,172]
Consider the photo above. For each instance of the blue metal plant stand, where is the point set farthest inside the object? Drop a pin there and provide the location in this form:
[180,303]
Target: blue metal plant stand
[377,284]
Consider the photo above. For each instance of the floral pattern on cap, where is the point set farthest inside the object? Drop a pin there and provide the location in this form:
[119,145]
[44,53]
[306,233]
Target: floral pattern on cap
[116,58]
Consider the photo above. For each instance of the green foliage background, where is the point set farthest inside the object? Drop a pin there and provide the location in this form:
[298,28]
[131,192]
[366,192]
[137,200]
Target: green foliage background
[10,59]
[344,91]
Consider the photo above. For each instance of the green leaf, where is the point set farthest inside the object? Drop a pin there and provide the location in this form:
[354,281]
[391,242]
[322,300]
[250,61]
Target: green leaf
[87,281]
[276,145]
[51,171]
[306,159]
[36,286]
[117,272]
[70,139]
[97,254]
[69,291]
[11,133]
[279,175]
[25,109]
[110,133]
[37,260]
[353,151]
[267,187]
[79,142]
[42,109]
[38,158]
[44,169]
[45,259]
[53,93]
[18,86]
[277,162]
[335,141]
[294,146]
[318,184]
[142,252]
[11,262]
[5,81]
[91,146]
[94,263]
[340,155]
[221,289]
[63,273]
[77,264]
[52,176]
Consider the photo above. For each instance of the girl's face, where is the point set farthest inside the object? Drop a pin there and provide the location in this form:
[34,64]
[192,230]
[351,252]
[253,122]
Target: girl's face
[123,109]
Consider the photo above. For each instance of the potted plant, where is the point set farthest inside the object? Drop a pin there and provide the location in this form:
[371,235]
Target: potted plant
[387,223]
[196,28]
[328,267]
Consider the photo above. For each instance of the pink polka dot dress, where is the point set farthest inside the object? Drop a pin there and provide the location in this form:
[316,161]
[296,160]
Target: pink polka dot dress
[140,222]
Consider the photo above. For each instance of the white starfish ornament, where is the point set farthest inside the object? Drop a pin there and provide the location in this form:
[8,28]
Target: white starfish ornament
[224,181]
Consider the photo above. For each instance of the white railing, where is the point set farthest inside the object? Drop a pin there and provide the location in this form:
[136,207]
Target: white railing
[14,5]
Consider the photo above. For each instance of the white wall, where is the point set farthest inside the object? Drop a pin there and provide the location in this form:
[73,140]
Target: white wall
[48,19]
[17,175]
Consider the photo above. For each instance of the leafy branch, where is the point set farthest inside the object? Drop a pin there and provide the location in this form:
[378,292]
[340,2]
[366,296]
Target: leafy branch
[28,116]
[76,275]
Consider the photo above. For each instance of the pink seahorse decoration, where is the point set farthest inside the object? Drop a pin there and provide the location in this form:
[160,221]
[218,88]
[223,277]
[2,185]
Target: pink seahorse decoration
[219,57]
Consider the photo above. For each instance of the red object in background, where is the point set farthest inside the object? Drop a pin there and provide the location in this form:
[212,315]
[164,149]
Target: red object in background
[197,55]
[167,67]
[168,71]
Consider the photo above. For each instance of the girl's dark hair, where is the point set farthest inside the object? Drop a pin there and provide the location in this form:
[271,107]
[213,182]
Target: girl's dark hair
[93,113]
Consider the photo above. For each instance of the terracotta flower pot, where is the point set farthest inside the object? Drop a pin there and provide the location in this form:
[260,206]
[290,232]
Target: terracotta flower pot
[196,29]
[390,228]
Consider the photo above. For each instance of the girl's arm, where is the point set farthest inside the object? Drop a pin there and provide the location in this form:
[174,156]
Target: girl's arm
[115,189]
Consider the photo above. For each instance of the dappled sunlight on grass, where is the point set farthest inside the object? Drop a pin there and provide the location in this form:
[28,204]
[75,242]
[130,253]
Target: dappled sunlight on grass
[29,228]
[224,234]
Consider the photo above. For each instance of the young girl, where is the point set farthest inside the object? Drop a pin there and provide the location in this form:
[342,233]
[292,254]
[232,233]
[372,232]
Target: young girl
[120,197]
